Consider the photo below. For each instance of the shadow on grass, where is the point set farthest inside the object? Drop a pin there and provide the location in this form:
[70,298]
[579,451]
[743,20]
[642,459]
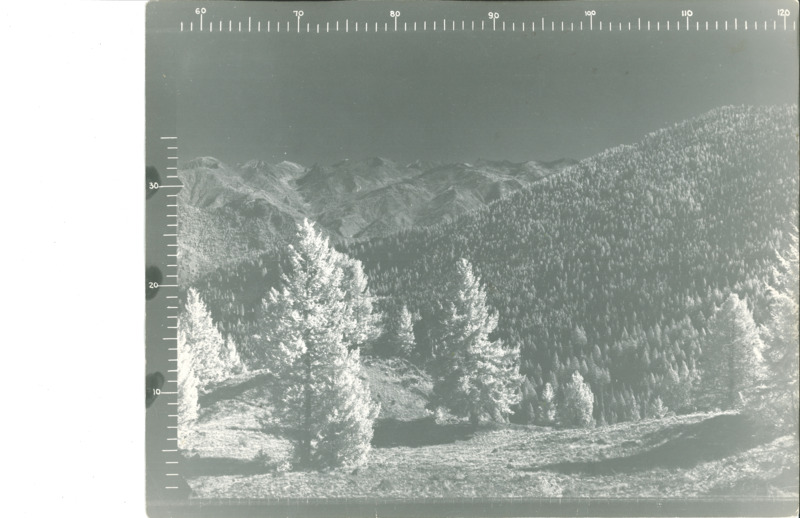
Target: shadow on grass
[685,447]
[213,466]
[392,432]
[784,484]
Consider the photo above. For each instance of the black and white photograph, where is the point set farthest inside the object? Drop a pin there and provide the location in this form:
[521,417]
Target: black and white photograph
[472,258]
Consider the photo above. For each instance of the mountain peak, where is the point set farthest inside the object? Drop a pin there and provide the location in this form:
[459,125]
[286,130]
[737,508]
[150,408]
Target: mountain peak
[286,164]
[206,162]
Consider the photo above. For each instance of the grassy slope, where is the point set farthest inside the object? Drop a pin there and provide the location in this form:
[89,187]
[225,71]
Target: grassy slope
[680,456]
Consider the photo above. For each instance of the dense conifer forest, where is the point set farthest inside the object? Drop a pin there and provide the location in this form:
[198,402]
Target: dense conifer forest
[611,268]
[614,267]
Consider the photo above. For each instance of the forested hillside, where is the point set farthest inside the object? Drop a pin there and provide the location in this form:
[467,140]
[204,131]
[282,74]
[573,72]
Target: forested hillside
[613,267]
[233,213]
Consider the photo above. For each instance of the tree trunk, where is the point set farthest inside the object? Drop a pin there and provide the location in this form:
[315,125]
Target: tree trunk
[305,445]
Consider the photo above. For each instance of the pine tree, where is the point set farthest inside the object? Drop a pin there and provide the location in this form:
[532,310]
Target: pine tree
[473,376]
[399,335]
[778,398]
[187,393]
[676,388]
[732,355]
[311,333]
[575,408]
[360,322]
[213,358]
[547,406]
[528,407]
[656,408]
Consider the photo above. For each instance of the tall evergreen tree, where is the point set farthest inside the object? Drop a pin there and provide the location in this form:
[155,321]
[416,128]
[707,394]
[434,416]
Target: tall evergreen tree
[473,376]
[312,332]
[547,408]
[732,355]
[575,408]
[213,358]
[529,402]
[187,393]
[778,400]
[399,335]
[359,320]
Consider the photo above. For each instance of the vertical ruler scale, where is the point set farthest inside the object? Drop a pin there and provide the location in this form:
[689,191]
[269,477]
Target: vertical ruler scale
[164,480]
[162,299]
[170,333]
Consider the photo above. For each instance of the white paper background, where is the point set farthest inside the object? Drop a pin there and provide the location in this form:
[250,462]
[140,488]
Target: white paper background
[73,232]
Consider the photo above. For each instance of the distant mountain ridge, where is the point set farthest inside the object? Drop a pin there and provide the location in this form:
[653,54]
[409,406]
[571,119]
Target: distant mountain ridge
[229,213]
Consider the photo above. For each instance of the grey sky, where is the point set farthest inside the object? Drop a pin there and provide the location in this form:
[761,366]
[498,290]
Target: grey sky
[456,96]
